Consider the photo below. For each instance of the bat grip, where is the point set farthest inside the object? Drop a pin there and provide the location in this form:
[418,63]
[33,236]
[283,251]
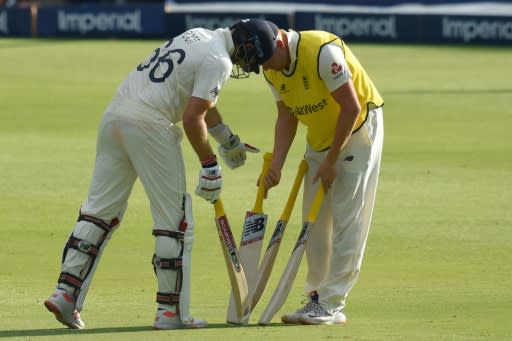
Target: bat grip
[258,205]
[317,202]
[219,208]
[287,211]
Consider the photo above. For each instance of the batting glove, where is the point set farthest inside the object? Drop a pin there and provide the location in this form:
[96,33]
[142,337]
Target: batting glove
[233,151]
[210,180]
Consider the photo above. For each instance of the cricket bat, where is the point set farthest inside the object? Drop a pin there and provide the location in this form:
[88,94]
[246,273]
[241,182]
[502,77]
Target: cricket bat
[232,258]
[290,272]
[250,244]
[269,258]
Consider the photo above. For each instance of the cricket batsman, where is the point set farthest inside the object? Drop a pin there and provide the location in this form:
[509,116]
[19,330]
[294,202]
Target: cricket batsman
[139,137]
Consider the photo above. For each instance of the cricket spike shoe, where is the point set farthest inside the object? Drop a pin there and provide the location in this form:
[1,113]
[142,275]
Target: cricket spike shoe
[62,305]
[317,315]
[294,317]
[166,319]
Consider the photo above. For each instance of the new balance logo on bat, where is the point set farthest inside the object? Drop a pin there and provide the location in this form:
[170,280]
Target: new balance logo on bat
[254,229]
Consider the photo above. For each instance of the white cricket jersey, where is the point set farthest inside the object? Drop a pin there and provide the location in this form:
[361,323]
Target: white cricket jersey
[196,63]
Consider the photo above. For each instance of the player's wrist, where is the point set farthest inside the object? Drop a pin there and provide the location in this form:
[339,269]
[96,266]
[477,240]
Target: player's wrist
[221,133]
[209,162]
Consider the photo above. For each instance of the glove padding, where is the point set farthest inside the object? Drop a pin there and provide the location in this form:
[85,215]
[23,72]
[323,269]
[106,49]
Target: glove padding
[210,182]
[233,152]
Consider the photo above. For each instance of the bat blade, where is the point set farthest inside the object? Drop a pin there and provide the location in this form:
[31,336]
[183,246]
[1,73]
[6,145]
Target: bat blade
[267,263]
[240,290]
[251,242]
[290,272]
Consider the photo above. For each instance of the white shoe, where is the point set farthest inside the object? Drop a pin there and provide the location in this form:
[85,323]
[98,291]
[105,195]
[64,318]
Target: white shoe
[166,319]
[294,317]
[62,305]
[318,315]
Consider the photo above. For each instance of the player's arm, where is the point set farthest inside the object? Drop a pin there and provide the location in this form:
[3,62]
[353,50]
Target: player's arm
[284,134]
[200,112]
[195,126]
[210,176]
[213,117]
[337,77]
[346,97]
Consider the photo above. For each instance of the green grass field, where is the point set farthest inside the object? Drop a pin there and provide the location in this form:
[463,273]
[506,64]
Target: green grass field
[438,264]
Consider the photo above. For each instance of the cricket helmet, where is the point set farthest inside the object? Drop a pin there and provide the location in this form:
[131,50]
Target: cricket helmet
[255,43]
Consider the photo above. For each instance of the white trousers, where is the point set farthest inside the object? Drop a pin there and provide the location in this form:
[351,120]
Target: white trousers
[128,149]
[336,245]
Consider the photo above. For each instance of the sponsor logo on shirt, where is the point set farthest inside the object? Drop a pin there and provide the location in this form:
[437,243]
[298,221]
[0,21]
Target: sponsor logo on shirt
[336,68]
[308,108]
[305,80]
[215,92]
[283,89]
[190,37]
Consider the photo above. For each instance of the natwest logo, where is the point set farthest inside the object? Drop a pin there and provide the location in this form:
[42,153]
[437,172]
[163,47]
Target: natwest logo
[87,22]
[308,108]
[381,27]
[3,23]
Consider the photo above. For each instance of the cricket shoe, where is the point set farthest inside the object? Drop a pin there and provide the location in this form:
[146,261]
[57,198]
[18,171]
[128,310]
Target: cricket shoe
[318,315]
[166,319]
[62,305]
[295,316]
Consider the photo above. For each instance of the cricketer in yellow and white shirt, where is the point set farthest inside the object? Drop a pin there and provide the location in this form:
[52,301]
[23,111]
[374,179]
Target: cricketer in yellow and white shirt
[317,80]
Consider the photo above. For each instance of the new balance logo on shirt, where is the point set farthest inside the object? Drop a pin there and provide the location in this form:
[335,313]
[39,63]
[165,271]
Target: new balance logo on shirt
[215,92]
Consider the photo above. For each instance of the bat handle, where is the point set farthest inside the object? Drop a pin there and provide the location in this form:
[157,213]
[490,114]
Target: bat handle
[258,205]
[219,208]
[317,202]
[287,211]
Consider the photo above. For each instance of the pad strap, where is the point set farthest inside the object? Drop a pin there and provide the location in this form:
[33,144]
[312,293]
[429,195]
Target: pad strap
[171,234]
[171,298]
[167,263]
[107,227]
[82,246]
[71,280]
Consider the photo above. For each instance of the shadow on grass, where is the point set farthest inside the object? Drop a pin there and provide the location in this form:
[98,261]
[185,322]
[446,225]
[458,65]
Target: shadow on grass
[110,330]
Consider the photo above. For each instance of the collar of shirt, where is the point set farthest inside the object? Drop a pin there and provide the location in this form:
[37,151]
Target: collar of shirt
[228,39]
[293,40]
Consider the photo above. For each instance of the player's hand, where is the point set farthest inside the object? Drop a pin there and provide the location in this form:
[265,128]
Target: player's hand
[210,181]
[326,173]
[271,179]
[233,152]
